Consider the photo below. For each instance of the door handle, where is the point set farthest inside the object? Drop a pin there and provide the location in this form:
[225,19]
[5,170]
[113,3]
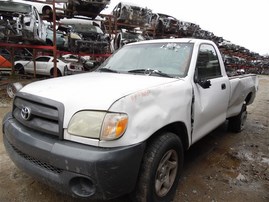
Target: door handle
[223,86]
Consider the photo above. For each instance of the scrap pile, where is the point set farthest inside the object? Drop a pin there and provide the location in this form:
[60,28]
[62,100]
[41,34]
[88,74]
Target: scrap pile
[81,29]
[157,25]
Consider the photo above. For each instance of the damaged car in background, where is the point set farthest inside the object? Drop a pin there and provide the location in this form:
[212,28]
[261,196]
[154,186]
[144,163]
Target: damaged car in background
[89,8]
[164,24]
[45,7]
[188,29]
[21,22]
[92,39]
[86,63]
[130,14]
[127,36]
[60,37]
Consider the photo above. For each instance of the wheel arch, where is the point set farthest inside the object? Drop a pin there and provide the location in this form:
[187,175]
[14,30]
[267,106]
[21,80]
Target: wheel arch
[249,98]
[18,64]
[178,128]
[49,42]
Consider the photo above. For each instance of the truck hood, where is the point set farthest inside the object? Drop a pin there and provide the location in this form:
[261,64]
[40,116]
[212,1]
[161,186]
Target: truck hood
[96,90]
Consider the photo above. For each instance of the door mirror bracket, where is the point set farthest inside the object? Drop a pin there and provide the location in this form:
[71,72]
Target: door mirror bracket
[204,83]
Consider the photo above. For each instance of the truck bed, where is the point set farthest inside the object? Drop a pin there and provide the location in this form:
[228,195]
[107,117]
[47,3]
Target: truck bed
[243,88]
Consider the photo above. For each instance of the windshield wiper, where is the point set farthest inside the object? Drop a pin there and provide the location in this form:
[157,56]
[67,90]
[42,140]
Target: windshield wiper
[106,70]
[150,72]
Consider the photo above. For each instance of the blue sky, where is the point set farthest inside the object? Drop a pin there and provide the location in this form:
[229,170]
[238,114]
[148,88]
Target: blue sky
[243,22]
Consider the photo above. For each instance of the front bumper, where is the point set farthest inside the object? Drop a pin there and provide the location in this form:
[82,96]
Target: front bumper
[73,168]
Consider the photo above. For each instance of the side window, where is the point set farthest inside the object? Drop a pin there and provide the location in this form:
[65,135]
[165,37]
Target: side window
[42,59]
[207,66]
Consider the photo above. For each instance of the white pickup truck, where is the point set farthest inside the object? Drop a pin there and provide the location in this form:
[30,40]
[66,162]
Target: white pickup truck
[123,129]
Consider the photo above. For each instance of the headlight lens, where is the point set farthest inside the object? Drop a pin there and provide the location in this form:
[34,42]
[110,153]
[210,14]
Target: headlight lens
[114,126]
[99,125]
[86,124]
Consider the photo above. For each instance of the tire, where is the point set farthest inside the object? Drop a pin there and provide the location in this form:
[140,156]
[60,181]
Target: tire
[19,69]
[46,11]
[237,123]
[59,73]
[52,72]
[160,170]
[65,71]
[13,88]
[49,42]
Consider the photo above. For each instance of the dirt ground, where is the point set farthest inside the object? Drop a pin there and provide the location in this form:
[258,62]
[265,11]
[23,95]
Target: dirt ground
[223,166]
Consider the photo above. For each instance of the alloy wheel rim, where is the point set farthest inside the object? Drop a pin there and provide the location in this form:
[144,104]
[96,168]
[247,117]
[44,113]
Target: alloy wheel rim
[166,173]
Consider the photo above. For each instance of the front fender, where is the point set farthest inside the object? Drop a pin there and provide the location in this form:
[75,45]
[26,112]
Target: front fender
[151,109]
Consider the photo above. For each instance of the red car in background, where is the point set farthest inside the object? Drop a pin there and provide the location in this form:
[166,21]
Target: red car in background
[5,65]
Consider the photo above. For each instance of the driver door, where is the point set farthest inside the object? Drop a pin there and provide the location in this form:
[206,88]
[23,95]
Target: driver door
[211,92]
[41,65]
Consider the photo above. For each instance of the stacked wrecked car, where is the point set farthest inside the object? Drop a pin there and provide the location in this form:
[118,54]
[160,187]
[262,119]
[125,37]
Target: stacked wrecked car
[20,22]
[81,28]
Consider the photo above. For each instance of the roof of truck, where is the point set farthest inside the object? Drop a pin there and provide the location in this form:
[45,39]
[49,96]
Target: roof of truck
[175,40]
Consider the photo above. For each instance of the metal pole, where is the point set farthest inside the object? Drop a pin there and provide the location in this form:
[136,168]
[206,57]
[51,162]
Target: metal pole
[12,61]
[54,40]
[34,57]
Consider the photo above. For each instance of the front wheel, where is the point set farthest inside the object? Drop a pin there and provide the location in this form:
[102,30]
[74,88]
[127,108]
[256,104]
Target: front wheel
[19,69]
[161,168]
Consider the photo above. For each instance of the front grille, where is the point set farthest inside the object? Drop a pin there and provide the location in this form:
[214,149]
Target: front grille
[44,115]
[37,162]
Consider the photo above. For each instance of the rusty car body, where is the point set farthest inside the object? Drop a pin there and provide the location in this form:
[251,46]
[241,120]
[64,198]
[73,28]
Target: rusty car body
[130,14]
[89,8]
[92,39]
[164,24]
[124,37]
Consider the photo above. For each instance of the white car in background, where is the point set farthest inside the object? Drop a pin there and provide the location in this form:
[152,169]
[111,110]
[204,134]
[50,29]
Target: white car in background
[44,66]
[46,8]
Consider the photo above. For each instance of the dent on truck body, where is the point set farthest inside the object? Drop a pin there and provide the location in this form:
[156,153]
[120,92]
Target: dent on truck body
[154,108]
[242,89]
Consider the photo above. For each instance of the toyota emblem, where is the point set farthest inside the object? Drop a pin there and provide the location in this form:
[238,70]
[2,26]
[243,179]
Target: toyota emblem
[26,113]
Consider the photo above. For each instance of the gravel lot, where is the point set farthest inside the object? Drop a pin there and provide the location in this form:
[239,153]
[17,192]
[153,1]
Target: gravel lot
[223,166]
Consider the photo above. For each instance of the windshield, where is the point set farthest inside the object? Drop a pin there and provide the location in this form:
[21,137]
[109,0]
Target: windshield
[169,58]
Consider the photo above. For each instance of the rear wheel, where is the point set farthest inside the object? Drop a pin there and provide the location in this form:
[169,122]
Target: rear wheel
[237,123]
[58,72]
[161,168]
[47,11]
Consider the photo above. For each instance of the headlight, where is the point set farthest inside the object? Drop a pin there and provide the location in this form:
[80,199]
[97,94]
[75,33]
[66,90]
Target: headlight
[98,125]
[114,126]
[86,124]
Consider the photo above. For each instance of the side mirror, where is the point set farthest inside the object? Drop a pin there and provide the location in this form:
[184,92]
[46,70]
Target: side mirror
[205,83]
